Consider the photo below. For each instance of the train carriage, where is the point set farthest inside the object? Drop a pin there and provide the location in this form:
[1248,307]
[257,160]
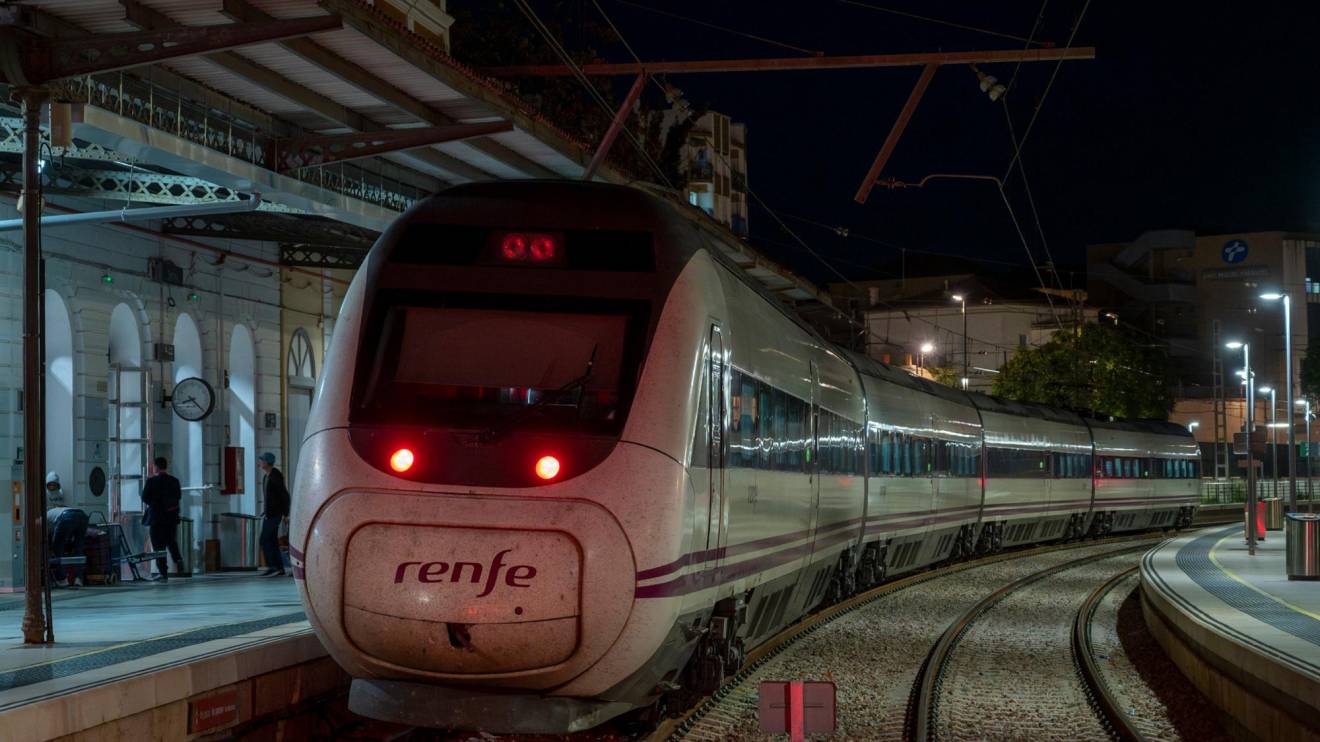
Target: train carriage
[566,460]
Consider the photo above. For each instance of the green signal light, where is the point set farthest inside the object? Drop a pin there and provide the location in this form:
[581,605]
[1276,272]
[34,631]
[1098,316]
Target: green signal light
[107,279]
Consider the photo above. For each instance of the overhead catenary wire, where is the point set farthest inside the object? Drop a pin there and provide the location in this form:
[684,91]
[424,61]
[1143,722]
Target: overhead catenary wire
[717,27]
[595,94]
[1048,85]
[930,19]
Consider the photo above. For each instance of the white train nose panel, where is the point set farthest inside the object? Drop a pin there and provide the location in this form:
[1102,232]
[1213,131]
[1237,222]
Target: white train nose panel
[464,596]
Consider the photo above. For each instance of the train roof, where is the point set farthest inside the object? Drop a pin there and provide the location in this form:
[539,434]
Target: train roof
[662,212]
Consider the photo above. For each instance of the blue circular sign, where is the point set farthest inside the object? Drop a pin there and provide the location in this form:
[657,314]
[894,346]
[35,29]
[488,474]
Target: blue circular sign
[1235,251]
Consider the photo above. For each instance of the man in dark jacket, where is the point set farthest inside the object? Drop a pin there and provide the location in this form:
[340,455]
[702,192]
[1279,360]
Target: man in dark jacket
[162,495]
[277,509]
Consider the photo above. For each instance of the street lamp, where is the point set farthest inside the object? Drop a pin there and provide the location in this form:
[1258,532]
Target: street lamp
[1193,425]
[1287,380]
[926,347]
[1274,446]
[963,301]
[1249,403]
[1307,416]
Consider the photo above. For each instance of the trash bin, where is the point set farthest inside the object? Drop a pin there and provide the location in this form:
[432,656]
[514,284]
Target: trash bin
[1302,545]
[1274,513]
[239,534]
[183,536]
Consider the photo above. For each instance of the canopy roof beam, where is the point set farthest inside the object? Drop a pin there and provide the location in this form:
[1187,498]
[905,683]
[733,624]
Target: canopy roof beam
[919,59]
[385,91]
[309,151]
[28,58]
[334,113]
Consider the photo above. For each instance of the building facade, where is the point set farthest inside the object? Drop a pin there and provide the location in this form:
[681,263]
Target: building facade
[713,160]
[1193,293]
[904,315]
[121,332]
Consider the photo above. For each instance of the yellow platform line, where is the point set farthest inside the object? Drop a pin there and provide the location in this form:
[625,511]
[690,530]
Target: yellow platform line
[1234,575]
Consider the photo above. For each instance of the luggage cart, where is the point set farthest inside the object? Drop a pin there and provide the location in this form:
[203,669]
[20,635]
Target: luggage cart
[122,552]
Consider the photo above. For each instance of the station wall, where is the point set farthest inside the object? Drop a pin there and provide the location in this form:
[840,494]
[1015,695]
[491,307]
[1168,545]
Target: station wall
[230,322]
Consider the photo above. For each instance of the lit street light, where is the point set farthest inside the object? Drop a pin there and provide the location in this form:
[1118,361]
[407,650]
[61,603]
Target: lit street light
[1249,403]
[963,301]
[1193,425]
[1274,445]
[1287,380]
[926,347]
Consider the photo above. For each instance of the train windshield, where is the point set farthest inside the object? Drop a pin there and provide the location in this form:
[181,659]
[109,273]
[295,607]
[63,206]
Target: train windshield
[495,369]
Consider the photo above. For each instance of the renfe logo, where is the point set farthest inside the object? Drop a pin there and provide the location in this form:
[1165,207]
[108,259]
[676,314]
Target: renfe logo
[436,571]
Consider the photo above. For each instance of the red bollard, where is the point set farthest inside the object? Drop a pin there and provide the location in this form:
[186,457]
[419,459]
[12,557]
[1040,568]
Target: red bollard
[1260,520]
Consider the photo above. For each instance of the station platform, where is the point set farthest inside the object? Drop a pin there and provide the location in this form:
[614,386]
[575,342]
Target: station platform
[1239,629]
[160,660]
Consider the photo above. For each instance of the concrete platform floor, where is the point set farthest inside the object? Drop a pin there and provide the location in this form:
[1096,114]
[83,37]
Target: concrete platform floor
[1238,627]
[138,627]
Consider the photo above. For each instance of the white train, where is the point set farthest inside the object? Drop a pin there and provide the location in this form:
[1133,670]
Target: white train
[566,461]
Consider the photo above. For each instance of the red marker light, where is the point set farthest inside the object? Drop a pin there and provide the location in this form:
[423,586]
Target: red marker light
[543,247]
[529,247]
[547,467]
[402,460]
[514,247]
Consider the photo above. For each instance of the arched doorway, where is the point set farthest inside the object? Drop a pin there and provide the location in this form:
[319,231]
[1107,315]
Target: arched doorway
[300,370]
[242,410]
[127,393]
[186,435]
[59,393]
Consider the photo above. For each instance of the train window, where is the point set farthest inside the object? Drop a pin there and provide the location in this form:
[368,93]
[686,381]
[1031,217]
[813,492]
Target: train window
[766,432]
[469,365]
[700,453]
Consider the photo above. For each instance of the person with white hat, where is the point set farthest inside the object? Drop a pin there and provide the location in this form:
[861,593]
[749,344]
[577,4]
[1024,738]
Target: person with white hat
[67,529]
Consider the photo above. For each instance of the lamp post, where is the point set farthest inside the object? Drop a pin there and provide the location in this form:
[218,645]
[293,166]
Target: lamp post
[1274,448]
[1310,504]
[1250,402]
[925,348]
[1287,380]
[961,299]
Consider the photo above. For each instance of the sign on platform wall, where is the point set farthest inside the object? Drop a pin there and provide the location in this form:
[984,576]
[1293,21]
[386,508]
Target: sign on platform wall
[213,711]
[1235,251]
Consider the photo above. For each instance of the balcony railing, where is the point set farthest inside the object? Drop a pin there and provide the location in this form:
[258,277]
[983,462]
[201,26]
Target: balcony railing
[165,110]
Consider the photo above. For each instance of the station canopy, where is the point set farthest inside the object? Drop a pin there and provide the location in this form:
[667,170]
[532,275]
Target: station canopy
[339,130]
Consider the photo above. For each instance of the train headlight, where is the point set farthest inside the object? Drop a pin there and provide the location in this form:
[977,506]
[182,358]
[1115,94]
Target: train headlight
[402,460]
[547,467]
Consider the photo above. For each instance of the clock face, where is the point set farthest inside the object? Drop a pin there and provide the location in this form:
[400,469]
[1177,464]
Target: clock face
[193,399]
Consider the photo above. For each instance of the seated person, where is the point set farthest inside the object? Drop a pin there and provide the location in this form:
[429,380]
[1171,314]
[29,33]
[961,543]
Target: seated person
[67,528]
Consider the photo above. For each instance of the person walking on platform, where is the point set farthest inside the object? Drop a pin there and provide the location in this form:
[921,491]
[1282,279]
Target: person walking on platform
[162,496]
[277,511]
[67,529]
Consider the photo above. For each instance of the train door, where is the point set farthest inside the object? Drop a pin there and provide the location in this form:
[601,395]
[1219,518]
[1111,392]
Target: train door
[813,465]
[717,512]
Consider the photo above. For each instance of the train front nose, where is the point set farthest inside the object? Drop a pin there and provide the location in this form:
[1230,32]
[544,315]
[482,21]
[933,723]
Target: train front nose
[512,591]
[463,600]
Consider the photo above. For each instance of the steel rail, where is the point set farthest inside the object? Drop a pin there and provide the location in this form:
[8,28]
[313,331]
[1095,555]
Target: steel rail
[924,705]
[1102,700]
[676,728]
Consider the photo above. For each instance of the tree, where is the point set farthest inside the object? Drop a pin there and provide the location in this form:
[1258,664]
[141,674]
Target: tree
[947,375]
[494,33]
[1311,372]
[1099,369]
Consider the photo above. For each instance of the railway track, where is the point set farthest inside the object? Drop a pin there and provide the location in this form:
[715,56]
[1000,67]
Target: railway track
[718,715]
[1103,701]
[924,720]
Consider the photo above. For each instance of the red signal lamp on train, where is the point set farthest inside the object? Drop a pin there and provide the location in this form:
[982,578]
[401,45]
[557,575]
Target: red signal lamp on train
[529,247]
[547,467]
[402,460]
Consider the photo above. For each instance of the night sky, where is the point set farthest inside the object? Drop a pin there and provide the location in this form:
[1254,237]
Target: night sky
[1202,116]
